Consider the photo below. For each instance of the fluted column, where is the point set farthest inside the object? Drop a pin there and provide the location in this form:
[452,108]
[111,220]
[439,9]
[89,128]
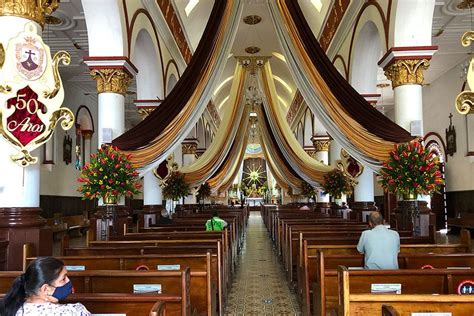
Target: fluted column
[188,149]
[322,143]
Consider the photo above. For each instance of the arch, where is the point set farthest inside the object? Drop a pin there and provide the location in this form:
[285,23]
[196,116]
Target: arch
[300,134]
[208,135]
[366,54]
[201,134]
[438,200]
[171,70]
[114,28]
[344,71]
[371,11]
[171,82]
[84,119]
[435,138]
[145,57]
[308,128]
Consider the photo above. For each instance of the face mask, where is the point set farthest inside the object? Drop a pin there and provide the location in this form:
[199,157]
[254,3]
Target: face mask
[62,292]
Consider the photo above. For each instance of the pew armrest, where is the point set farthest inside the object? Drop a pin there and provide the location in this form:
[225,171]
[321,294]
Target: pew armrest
[158,309]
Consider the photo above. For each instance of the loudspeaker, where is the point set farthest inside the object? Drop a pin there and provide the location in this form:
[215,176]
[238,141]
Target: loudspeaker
[415,128]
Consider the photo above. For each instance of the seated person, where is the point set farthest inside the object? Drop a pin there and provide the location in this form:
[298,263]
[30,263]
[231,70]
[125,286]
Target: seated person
[379,245]
[39,289]
[215,223]
[165,217]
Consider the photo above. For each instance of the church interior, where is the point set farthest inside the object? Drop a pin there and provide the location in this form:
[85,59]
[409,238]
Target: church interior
[224,157]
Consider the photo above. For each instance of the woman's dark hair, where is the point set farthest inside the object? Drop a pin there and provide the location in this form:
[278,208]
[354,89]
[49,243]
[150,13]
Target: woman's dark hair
[43,270]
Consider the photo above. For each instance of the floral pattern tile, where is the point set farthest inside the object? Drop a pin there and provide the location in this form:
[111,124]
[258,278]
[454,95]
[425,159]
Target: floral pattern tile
[259,286]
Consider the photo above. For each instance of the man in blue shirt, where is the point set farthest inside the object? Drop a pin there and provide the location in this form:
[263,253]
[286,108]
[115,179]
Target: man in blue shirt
[379,245]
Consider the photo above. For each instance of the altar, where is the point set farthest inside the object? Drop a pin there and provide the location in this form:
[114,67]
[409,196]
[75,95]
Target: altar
[254,201]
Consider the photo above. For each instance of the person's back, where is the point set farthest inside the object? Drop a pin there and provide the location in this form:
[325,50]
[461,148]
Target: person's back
[215,223]
[379,245]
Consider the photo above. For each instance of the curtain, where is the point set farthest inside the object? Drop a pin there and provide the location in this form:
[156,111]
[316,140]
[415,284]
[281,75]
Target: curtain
[309,169]
[153,139]
[365,133]
[206,165]
[278,165]
[222,179]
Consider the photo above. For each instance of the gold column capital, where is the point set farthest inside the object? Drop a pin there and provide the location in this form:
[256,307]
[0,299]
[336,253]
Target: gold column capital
[321,142]
[35,10]
[189,148]
[145,111]
[310,152]
[407,71]
[115,80]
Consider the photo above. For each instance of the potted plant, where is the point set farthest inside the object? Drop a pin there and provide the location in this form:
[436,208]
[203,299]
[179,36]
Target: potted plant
[175,187]
[411,170]
[336,184]
[307,190]
[204,192]
[109,175]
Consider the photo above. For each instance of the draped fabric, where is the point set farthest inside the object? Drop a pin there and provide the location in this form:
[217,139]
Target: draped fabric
[365,133]
[309,169]
[222,179]
[201,169]
[156,137]
[279,167]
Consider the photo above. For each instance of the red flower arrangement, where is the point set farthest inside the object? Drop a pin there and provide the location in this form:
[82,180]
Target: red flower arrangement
[108,175]
[411,169]
[336,183]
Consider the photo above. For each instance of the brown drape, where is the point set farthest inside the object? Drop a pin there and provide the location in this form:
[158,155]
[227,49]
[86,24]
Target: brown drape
[351,101]
[150,128]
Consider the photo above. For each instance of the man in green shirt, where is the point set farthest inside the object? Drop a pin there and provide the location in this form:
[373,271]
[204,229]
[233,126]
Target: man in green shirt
[215,223]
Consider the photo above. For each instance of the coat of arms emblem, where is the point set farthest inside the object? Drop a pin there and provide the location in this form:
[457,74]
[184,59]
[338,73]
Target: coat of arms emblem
[30,58]
[31,94]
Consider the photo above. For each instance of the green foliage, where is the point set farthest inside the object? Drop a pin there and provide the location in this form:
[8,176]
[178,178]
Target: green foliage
[307,190]
[204,191]
[411,169]
[336,183]
[175,187]
[108,174]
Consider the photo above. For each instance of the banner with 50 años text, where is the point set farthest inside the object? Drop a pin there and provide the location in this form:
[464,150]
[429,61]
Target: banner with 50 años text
[31,94]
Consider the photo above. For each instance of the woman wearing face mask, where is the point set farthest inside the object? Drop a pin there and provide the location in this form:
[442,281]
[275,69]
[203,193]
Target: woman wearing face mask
[39,289]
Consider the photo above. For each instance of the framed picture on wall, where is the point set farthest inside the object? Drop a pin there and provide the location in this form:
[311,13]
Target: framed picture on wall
[450,137]
[67,149]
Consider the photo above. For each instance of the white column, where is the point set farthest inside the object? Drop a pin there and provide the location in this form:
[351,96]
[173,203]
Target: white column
[188,149]
[151,190]
[111,121]
[364,190]
[19,186]
[409,106]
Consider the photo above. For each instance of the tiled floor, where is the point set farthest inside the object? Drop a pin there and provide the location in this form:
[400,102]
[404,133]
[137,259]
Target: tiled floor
[259,286]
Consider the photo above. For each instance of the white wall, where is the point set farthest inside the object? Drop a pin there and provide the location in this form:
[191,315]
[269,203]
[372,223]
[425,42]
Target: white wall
[438,102]
[61,179]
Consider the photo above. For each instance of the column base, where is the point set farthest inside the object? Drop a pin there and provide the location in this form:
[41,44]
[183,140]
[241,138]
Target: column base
[361,210]
[149,215]
[22,225]
[404,218]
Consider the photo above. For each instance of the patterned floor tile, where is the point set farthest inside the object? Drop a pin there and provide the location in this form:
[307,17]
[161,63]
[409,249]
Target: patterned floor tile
[259,286]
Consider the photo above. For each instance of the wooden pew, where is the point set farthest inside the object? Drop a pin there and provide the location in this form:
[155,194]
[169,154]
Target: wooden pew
[128,304]
[161,247]
[203,282]
[352,301]
[319,273]
[175,284]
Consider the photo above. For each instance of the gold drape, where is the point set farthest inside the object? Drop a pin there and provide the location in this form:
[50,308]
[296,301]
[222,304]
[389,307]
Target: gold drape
[284,176]
[304,164]
[146,155]
[373,146]
[200,170]
[226,174]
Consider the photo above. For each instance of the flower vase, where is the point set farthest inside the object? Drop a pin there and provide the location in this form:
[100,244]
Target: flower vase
[412,212]
[109,217]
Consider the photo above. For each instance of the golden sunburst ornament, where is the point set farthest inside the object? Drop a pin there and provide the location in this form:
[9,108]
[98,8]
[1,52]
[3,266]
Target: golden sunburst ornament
[253,175]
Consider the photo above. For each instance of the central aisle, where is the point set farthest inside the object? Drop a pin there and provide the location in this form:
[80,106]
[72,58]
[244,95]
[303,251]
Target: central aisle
[259,286]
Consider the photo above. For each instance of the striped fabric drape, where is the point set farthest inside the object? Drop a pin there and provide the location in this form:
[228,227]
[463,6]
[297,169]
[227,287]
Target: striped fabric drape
[309,169]
[156,137]
[206,165]
[365,133]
